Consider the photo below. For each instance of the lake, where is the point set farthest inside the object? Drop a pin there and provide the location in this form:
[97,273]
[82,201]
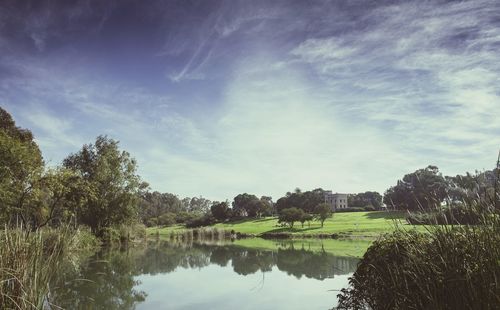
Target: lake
[224,275]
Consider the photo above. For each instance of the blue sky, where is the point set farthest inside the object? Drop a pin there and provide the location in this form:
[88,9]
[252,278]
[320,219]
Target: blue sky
[217,98]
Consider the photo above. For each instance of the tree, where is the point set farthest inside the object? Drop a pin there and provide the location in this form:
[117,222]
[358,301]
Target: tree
[290,216]
[267,205]
[199,205]
[166,219]
[366,199]
[247,205]
[62,193]
[114,187]
[302,200]
[422,189]
[220,211]
[21,168]
[306,217]
[323,211]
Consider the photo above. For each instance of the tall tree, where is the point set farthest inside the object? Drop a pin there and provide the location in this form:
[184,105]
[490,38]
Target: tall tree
[21,168]
[220,210]
[422,189]
[113,184]
[323,211]
[366,199]
[247,205]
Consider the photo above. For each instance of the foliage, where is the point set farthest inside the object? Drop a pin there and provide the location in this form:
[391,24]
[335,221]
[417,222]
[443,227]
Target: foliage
[306,201]
[184,217]
[452,215]
[372,200]
[21,168]
[420,190]
[323,211]
[204,220]
[247,205]
[220,211]
[124,233]
[290,216]
[306,217]
[167,219]
[450,269]
[447,267]
[112,185]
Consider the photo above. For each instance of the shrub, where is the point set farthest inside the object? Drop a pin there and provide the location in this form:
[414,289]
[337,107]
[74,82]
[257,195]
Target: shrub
[370,208]
[151,222]
[458,214]
[449,267]
[184,217]
[167,219]
[204,220]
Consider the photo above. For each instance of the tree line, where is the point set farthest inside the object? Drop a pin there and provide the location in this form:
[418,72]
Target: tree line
[98,186]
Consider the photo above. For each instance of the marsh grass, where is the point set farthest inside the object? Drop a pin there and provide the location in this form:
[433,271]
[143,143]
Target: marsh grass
[448,266]
[29,260]
[201,234]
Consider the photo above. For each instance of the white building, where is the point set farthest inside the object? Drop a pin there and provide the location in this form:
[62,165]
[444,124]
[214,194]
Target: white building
[337,200]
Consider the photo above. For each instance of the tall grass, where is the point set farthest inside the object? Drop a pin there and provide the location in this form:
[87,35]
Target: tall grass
[449,266]
[202,234]
[29,260]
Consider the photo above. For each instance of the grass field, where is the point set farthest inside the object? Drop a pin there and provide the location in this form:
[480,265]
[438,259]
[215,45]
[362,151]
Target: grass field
[349,224]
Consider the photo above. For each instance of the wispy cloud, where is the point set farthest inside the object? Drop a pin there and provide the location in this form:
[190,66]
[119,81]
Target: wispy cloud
[219,98]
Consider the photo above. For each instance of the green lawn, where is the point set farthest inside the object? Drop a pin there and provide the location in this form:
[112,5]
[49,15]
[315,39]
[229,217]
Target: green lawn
[348,224]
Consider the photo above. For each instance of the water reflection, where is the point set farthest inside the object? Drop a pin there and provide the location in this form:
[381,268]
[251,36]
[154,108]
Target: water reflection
[108,279]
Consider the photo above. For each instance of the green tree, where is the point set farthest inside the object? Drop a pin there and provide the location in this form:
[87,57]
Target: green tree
[422,189]
[366,199]
[306,201]
[62,193]
[220,211]
[323,211]
[166,219]
[306,217]
[247,205]
[21,168]
[112,182]
[290,216]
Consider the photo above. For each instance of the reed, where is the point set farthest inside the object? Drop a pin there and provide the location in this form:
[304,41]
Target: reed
[201,234]
[29,260]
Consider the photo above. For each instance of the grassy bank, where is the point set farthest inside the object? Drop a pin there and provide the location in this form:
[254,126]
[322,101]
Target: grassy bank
[349,224]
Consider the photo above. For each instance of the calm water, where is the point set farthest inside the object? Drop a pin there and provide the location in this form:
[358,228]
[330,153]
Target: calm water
[194,276]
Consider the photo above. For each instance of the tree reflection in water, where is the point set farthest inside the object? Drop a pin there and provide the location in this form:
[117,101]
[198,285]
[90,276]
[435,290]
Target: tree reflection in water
[106,280]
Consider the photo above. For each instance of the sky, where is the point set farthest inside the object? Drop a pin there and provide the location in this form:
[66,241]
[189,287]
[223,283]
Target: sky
[217,98]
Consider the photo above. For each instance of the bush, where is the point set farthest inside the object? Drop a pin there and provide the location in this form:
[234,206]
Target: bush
[204,220]
[450,267]
[184,217]
[124,233]
[167,219]
[459,214]
[351,210]
[151,222]
[370,208]
[111,235]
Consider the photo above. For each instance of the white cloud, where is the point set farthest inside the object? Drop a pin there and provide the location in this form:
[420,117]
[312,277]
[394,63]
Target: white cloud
[412,75]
